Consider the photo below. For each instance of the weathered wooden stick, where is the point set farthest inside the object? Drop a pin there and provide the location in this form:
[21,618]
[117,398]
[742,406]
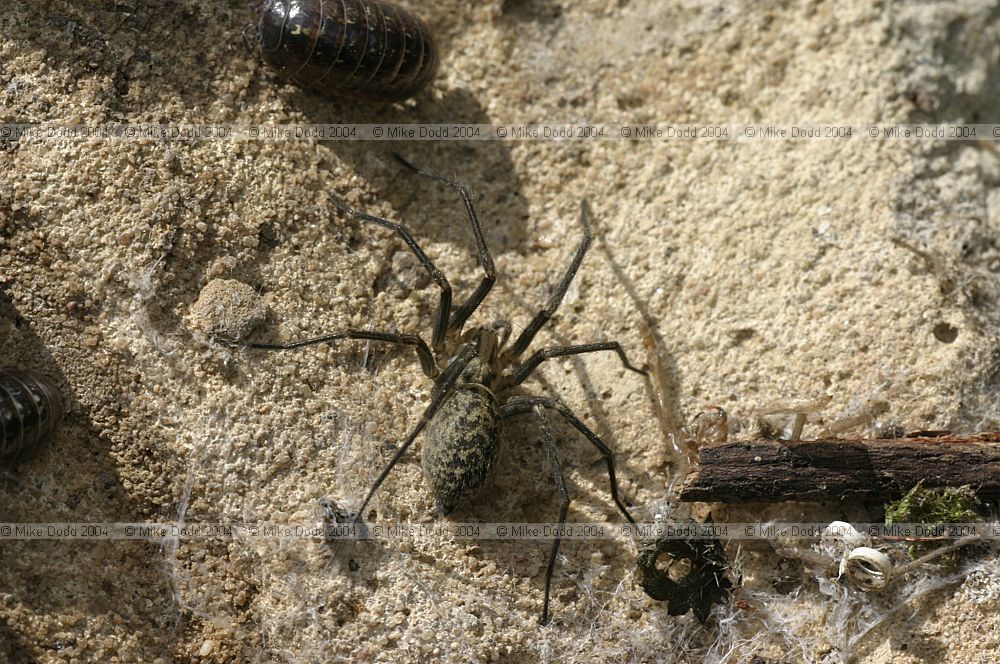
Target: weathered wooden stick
[823,470]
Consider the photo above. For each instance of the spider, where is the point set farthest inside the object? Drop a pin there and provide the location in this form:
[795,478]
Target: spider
[474,371]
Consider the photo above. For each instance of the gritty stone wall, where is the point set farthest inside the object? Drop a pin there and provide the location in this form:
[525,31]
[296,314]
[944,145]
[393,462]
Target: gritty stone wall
[765,270]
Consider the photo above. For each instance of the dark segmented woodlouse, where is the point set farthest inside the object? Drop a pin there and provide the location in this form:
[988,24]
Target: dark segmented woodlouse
[30,410]
[354,48]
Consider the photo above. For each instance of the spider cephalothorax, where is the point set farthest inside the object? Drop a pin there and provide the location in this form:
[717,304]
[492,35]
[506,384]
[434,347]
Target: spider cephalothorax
[474,371]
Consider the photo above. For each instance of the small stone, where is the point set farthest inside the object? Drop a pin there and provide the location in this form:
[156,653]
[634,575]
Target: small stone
[221,267]
[227,309]
[408,272]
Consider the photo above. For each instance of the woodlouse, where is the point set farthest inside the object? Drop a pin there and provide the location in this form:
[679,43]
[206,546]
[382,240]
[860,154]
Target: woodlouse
[354,48]
[30,410]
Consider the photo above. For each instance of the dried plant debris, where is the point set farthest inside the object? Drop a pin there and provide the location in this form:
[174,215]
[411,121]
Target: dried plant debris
[709,427]
[705,583]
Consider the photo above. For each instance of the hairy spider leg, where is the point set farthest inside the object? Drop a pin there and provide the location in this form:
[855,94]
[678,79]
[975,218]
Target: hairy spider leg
[485,259]
[423,352]
[522,405]
[560,481]
[543,316]
[444,307]
[529,366]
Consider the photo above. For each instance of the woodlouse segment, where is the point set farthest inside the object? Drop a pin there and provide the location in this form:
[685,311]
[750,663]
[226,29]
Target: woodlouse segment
[354,48]
[30,410]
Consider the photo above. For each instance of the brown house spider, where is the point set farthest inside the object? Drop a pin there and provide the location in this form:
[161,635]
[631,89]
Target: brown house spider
[474,371]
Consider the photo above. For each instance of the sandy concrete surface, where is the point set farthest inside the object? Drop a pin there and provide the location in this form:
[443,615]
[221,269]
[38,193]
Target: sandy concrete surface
[767,269]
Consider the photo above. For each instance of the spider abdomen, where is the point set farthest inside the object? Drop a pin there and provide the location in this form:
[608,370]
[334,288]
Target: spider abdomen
[461,446]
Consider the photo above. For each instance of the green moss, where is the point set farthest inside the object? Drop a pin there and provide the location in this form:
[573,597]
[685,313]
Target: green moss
[933,507]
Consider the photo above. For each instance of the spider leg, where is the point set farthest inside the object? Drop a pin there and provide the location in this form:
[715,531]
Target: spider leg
[560,481]
[526,369]
[521,405]
[444,307]
[485,260]
[442,390]
[423,352]
[556,299]
[245,34]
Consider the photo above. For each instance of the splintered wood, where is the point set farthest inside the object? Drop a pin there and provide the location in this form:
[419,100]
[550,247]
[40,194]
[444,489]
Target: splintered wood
[833,469]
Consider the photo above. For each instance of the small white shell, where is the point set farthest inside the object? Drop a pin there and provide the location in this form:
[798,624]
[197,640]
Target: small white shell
[841,531]
[868,568]
[840,537]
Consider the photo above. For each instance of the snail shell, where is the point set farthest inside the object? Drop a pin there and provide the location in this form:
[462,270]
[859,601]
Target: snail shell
[868,568]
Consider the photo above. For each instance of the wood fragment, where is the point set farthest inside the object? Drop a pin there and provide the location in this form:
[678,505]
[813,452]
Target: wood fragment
[832,469]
